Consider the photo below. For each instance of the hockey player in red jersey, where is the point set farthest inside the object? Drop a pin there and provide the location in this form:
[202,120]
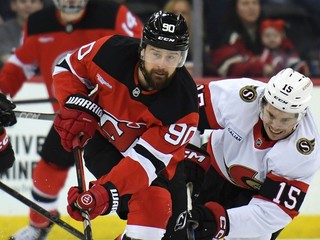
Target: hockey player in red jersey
[264,153]
[135,127]
[49,35]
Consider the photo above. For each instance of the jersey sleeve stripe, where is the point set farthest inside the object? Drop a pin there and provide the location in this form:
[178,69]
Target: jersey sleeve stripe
[151,160]
[67,65]
[287,194]
[154,158]
[148,167]
[59,69]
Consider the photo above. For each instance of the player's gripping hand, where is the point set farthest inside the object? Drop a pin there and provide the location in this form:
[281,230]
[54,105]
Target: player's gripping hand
[98,200]
[7,116]
[78,117]
[210,221]
[6,152]
[197,163]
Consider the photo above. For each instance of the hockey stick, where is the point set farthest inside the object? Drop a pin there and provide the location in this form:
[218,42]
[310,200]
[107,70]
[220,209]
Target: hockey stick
[42,211]
[190,226]
[32,101]
[42,116]
[34,115]
[77,153]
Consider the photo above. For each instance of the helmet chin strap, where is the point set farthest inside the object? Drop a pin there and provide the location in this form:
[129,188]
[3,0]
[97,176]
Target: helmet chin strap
[300,116]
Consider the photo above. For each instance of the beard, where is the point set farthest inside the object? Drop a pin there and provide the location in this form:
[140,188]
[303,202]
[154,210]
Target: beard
[157,79]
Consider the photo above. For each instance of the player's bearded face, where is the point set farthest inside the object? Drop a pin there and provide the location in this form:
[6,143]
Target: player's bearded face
[278,124]
[159,66]
[157,78]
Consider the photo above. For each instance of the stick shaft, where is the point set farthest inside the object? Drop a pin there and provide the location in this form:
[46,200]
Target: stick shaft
[32,101]
[41,211]
[77,153]
[35,115]
[190,230]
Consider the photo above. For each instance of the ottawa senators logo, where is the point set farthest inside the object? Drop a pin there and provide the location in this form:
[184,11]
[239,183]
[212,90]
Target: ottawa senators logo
[248,93]
[305,146]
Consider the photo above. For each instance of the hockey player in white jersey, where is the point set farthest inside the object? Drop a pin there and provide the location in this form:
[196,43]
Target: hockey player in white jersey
[264,152]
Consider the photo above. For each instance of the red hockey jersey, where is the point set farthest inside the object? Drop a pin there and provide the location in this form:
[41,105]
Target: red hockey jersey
[150,129]
[47,40]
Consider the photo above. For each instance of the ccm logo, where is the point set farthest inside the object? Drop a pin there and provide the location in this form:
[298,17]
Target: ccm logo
[222,227]
[193,155]
[166,39]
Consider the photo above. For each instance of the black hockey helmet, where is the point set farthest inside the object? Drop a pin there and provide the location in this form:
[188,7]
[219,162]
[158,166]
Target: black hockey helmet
[167,31]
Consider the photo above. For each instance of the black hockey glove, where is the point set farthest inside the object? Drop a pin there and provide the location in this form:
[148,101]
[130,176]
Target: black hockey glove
[7,116]
[7,157]
[209,221]
[197,163]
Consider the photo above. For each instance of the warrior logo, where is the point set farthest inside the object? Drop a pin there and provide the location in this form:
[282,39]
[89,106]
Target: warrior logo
[248,93]
[305,146]
[87,199]
[115,199]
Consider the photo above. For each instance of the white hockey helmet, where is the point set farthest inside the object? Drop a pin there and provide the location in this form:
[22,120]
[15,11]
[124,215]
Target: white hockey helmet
[70,6]
[289,91]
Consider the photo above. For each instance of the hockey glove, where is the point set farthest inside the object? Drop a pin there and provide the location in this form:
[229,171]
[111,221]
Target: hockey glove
[197,163]
[78,118]
[7,116]
[98,200]
[210,221]
[6,152]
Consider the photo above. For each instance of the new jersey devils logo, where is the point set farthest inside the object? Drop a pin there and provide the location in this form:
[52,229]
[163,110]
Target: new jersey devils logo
[119,132]
[181,221]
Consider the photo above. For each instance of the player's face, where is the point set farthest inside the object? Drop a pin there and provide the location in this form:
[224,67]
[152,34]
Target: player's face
[277,124]
[160,65]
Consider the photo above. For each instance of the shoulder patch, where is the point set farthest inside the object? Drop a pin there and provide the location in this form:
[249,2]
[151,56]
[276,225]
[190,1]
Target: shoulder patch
[305,146]
[248,93]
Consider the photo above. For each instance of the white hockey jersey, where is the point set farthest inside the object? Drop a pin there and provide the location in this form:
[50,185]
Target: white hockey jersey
[240,151]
